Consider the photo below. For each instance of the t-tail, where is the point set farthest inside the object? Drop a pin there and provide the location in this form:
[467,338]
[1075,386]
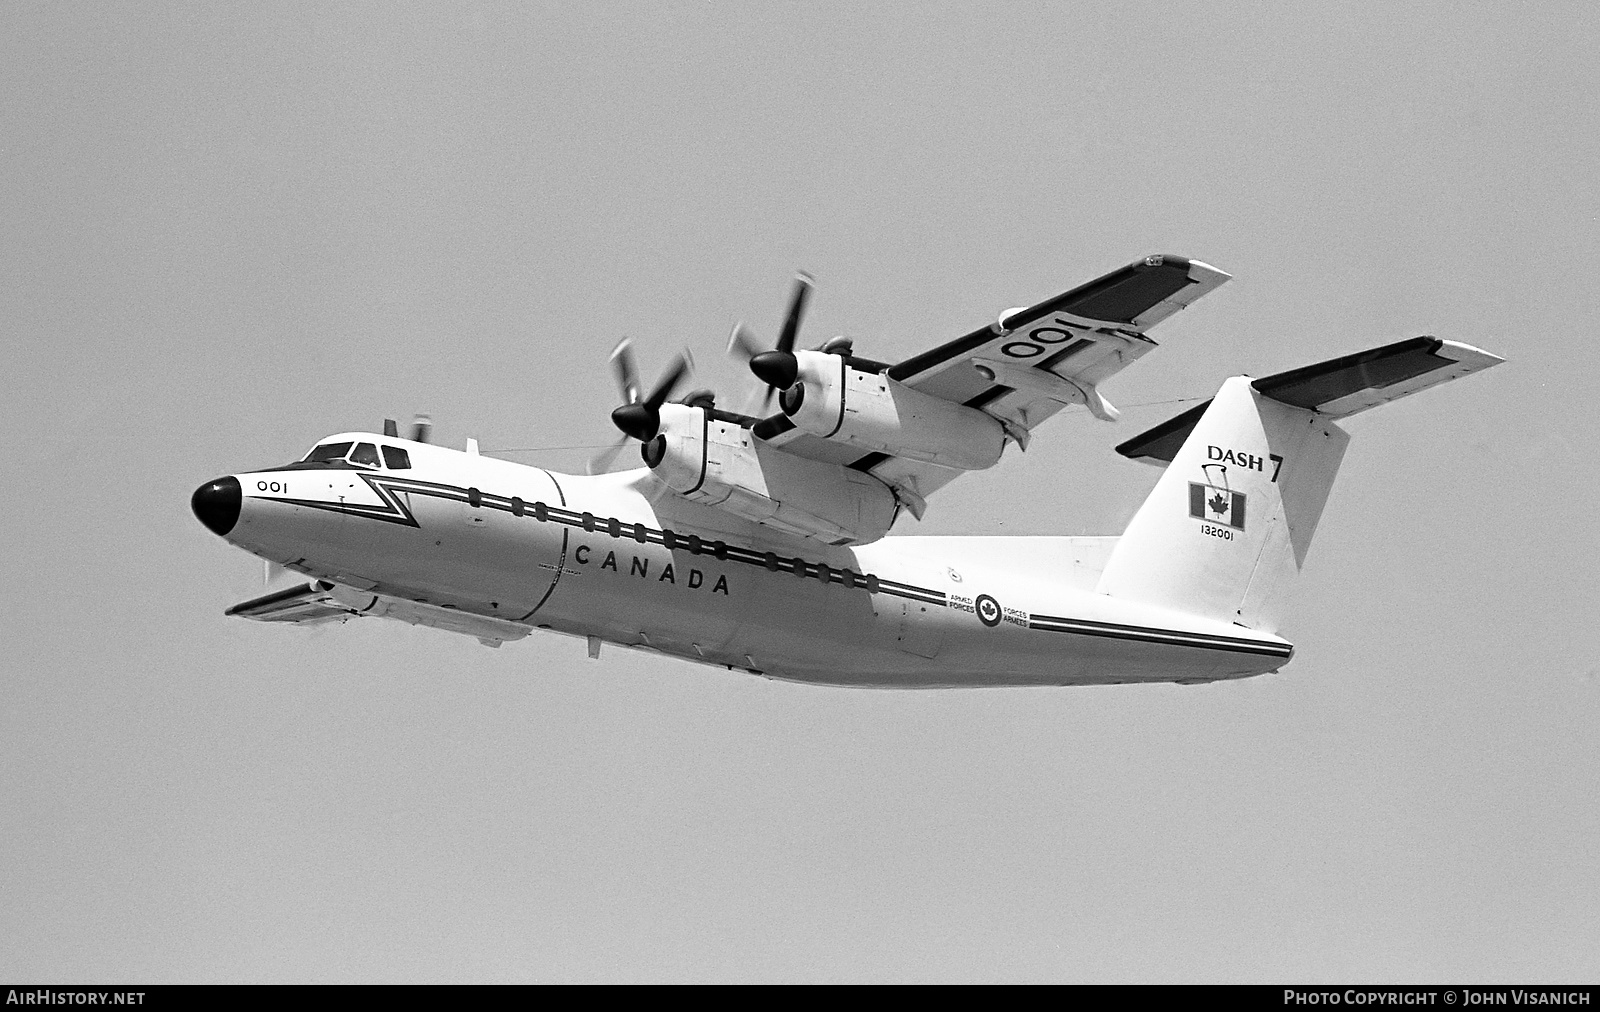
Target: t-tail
[1227,527]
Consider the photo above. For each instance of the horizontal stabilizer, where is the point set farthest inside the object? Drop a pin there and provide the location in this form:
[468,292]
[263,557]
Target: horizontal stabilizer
[1336,388]
[1160,444]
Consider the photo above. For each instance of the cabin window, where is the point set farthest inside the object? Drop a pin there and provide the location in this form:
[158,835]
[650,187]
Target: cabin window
[328,451]
[365,454]
[396,458]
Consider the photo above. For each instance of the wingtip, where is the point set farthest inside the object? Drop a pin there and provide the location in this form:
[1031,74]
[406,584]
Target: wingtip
[1472,355]
[1203,269]
[1199,270]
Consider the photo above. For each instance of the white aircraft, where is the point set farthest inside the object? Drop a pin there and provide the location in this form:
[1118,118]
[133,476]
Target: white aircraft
[759,543]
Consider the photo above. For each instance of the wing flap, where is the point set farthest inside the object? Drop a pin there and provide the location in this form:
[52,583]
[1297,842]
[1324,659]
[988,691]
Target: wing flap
[912,481]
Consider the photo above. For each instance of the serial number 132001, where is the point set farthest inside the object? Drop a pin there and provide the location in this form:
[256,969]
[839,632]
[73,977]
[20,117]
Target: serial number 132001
[1217,532]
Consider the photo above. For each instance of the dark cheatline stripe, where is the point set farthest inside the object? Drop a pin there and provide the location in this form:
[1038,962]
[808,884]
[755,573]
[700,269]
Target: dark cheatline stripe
[730,553]
[390,515]
[394,511]
[384,484]
[923,594]
[641,534]
[1172,637]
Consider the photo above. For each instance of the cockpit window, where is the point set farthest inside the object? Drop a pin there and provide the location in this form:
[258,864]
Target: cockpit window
[366,454]
[328,451]
[396,458]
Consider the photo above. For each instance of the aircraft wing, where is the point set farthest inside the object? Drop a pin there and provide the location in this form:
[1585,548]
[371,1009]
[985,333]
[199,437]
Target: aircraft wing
[305,604]
[320,601]
[1087,334]
[1029,364]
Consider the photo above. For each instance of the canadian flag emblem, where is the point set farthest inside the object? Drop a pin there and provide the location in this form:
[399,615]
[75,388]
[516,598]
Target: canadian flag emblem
[1214,501]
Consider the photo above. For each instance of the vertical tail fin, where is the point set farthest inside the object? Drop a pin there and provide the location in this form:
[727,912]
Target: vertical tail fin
[1228,524]
[1227,527]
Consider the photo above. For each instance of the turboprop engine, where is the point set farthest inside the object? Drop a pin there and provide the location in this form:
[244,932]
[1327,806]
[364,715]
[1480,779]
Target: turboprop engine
[824,394]
[719,463]
[833,399]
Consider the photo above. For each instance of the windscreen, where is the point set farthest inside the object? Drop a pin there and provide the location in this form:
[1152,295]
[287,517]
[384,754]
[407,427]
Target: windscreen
[328,451]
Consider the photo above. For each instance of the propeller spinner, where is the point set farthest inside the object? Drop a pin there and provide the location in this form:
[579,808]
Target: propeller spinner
[638,417]
[777,368]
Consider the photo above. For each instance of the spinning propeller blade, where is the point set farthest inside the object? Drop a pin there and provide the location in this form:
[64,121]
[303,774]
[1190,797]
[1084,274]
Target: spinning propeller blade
[803,283]
[742,344]
[626,372]
[777,368]
[641,419]
[601,462]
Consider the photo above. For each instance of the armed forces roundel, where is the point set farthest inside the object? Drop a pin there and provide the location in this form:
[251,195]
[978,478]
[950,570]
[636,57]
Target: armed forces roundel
[988,610]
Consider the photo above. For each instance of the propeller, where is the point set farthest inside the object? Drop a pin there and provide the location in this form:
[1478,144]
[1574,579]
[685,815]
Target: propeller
[638,417]
[777,368]
[601,462]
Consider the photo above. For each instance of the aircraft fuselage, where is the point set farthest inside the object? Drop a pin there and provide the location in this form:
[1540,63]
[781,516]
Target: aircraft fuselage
[620,559]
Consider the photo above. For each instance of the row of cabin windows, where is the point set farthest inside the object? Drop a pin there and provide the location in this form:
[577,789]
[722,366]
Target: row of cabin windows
[694,543]
[364,455]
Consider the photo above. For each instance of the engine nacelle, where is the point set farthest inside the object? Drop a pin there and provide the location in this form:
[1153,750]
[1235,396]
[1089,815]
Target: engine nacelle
[833,400]
[721,464]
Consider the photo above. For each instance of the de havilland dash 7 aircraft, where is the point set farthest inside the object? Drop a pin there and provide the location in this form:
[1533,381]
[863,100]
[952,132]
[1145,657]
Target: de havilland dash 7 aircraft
[759,541]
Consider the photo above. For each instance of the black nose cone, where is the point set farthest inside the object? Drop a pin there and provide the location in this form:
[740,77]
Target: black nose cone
[216,503]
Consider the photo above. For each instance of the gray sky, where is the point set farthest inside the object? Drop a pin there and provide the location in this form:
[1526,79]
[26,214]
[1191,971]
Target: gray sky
[224,234]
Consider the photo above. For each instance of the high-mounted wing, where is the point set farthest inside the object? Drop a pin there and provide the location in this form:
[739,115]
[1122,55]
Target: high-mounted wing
[1087,334]
[1028,364]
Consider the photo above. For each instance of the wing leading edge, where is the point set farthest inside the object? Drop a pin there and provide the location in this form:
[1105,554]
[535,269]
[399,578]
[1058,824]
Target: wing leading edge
[1124,303]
